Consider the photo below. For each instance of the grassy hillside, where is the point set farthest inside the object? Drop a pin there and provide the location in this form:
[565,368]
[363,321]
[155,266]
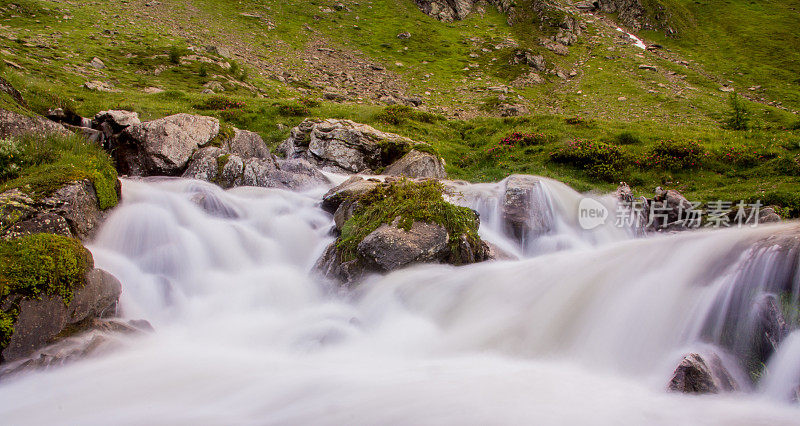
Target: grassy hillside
[271,61]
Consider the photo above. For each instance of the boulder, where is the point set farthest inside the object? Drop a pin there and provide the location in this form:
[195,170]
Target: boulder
[417,164]
[349,189]
[769,327]
[16,125]
[97,63]
[392,246]
[247,144]
[344,146]
[526,211]
[389,248]
[40,321]
[162,147]
[700,374]
[669,211]
[117,120]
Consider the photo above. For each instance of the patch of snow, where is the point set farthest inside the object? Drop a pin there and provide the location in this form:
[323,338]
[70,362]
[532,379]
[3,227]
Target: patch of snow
[636,40]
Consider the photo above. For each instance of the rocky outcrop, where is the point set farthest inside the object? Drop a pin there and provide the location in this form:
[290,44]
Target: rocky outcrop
[40,321]
[700,374]
[394,244]
[634,15]
[228,170]
[71,211]
[162,147]
[526,211]
[16,125]
[344,146]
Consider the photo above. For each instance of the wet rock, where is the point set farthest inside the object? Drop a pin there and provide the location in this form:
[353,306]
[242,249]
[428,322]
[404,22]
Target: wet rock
[349,189]
[670,211]
[40,321]
[118,120]
[417,164]
[90,337]
[389,248]
[162,147]
[526,213]
[698,374]
[228,170]
[769,327]
[17,125]
[344,146]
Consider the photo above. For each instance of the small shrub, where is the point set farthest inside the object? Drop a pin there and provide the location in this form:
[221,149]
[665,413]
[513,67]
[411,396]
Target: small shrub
[292,110]
[10,159]
[203,72]
[672,155]
[742,156]
[309,102]
[398,114]
[628,138]
[526,139]
[219,103]
[234,70]
[738,116]
[789,201]
[787,165]
[599,159]
[174,55]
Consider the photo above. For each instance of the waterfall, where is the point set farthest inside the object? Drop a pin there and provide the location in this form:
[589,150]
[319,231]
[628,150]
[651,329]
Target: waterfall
[585,327]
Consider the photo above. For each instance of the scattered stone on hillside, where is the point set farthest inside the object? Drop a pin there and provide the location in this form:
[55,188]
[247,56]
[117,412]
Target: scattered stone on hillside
[528,80]
[162,147]
[727,89]
[512,110]
[219,51]
[526,212]
[332,94]
[699,374]
[555,47]
[97,63]
[59,115]
[13,124]
[344,146]
[214,86]
[647,67]
[9,89]
[99,86]
[42,320]
[152,90]
[405,35]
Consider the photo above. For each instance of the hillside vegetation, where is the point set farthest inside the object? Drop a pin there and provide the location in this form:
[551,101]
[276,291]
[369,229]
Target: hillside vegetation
[605,112]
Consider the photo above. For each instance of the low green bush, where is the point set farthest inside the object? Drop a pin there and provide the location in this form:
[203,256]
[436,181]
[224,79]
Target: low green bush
[675,155]
[600,160]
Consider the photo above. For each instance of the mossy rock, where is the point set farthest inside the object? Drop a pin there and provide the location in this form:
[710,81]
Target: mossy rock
[35,266]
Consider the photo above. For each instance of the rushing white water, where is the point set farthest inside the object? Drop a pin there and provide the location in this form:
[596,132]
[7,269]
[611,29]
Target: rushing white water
[585,334]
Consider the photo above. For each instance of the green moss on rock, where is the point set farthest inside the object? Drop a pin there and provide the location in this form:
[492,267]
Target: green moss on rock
[411,202]
[50,162]
[225,134]
[38,265]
